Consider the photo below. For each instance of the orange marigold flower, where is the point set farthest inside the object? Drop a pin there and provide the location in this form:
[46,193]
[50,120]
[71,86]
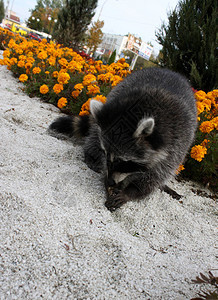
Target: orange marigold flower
[100,98]
[93,89]
[205,143]
[214,121]
[85,107]
[215,93]
[88,79]
[75,94]
[62,102]
[28,65]
[198,152]
[42,55]
[115,80]
[55,74]
[180,168]
[21,64]
[207,104]
[200,95]
[23,77]
[206,127]
[57,88]
[44,89]
[13,61]
[84,113]
[200,107]
[36,70]
[78,86]
[121,61]
[52,60]
[63,78]
[63,62]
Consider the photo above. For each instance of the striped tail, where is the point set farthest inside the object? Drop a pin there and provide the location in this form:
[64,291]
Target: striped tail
[77,126]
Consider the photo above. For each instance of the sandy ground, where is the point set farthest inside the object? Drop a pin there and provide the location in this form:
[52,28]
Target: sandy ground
[58,241]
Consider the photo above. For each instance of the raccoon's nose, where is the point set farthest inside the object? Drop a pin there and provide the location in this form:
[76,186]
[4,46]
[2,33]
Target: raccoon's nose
[110,182]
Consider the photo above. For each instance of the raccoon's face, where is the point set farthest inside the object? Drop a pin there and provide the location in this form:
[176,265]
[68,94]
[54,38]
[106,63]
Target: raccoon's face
[129,148]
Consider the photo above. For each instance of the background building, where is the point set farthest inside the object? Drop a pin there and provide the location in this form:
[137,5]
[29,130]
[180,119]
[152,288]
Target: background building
[122,43]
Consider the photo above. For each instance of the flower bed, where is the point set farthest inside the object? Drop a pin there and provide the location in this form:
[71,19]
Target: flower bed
[67,79]
[60,75]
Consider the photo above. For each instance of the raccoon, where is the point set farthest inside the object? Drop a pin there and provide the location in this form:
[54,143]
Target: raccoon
[140,136]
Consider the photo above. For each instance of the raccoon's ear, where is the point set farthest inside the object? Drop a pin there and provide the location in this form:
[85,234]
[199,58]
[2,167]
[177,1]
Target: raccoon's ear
[95,106]
[145,127]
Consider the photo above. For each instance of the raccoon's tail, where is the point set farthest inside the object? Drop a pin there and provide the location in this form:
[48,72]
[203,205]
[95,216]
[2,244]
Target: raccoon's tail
[77,126]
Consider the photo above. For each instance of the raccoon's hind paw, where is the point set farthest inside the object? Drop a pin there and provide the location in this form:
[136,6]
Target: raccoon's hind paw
[115,199]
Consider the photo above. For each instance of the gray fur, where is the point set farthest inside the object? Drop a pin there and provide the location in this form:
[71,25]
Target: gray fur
[142,133]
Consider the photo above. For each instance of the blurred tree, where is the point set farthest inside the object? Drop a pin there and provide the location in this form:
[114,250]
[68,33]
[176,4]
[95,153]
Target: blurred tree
[2,10]
[44,15]
[95,35]
[112,57]
[189,42]
[73,21]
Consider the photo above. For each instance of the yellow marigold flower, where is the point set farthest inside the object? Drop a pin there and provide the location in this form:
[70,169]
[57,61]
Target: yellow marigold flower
[57,88]
[22,57]
[55,74]
[21,64]
[198,152]
[36,70]
[44,89]
[52,60]
[200,107]
[23,77]
[121,61]
[214,121]
[30,53]
[207,104]
[78,86]
[93,89]
[75,94]
[42,55]
[102,77]
[100,98]
[63,78]
[44,41]
[205,143]
[84,113]
[88,79]
[30,60]
[85,107]
[62,102]
[74,65]
[206,127]
[180,168]
[63,62]
[115,80]
[28,65]
[18,50]
[200,95]
[13,61]
[11,43]
[125,65]
[215,93]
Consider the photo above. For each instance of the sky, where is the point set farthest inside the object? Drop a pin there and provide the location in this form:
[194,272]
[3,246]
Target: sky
[139,17]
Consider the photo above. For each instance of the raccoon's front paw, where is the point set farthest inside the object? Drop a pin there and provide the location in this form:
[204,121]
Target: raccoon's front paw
[115,199]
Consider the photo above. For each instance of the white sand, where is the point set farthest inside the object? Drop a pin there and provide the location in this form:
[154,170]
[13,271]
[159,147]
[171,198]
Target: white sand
[58,241]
